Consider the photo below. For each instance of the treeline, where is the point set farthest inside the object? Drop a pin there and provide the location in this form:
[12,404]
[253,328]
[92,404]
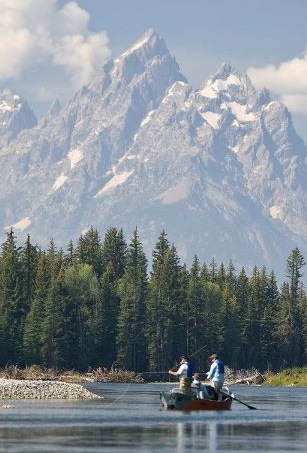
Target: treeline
[96,305]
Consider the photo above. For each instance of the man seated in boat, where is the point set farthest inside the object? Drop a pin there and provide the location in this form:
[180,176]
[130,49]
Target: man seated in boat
[202,391]
[185,373]
[216,374]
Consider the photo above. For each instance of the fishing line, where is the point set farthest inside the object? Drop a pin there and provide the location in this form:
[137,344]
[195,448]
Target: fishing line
[120,396]
[150,372]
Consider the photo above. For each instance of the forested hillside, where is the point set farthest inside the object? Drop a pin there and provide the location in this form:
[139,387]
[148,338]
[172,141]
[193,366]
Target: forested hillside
[96,304]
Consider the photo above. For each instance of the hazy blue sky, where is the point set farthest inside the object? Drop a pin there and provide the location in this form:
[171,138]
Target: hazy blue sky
[49,47]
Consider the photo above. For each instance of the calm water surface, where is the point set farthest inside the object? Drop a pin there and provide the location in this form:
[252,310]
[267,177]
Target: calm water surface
[130,419]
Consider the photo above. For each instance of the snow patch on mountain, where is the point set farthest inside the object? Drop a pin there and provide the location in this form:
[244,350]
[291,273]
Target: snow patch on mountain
[59,182]
[276,212]
[75,156]
[212,118]
[117,180]
[239,111]
[174,194]
[21,225]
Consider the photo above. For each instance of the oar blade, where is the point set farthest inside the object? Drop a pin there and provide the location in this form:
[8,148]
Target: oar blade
[239,401]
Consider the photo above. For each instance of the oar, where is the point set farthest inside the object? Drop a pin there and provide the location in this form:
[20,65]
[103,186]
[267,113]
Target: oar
[239,401]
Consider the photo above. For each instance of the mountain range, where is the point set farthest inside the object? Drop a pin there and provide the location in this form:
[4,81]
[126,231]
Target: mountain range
[220,169]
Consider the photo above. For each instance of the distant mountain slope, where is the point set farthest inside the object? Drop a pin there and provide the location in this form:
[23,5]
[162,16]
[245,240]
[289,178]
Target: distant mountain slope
[220,169]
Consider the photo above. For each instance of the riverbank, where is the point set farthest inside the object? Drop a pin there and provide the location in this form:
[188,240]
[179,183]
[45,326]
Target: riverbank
[291,377]
[35,372]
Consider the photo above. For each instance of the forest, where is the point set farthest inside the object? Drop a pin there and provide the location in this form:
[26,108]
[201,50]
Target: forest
[97,305]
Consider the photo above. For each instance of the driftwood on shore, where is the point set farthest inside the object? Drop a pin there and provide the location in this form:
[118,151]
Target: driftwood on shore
[256,379]
[247,377]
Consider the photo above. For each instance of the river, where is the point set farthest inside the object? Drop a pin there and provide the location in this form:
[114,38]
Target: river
[130,419]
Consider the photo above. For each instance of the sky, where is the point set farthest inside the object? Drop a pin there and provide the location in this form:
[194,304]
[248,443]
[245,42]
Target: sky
[49,48]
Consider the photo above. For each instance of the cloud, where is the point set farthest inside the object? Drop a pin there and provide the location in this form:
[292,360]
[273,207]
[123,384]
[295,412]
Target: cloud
[288,81]
[33,32]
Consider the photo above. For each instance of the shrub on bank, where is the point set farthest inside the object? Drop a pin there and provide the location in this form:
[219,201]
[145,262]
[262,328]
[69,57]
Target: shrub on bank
[36,372]
[291,377]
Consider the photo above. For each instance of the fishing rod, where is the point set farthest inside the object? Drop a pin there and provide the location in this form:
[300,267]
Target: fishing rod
[198,350]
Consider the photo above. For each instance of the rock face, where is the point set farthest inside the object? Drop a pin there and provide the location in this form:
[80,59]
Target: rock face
[15,115]
[14,389]
[221,169]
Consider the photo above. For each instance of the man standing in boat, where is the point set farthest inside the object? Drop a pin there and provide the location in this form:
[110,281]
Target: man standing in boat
[216,374]
[185,373]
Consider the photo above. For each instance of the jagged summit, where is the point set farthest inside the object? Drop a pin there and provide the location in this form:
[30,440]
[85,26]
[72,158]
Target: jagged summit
[148,44]
[225,70]
[15,115]
[220,169]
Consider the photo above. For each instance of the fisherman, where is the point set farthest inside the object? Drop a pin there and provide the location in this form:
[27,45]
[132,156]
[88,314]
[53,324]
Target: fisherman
[185,373]
[216,374]
[200,389]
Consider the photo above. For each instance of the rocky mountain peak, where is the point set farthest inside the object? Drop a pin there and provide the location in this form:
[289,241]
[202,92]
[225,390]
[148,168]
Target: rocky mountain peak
[220,169]
[15,115]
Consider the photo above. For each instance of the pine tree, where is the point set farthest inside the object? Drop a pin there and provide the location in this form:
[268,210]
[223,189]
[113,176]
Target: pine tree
[132,289]
[242,295]
[269,345]
[81,315]
[89,250]
[28,264]
[114,255]
[195,298]
[32,339]
[70,257]
[12,303]
[166,329]
[290,320]
[53,335]
[114,250]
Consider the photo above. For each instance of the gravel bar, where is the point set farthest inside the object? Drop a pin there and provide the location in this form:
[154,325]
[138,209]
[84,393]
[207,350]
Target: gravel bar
[26,389]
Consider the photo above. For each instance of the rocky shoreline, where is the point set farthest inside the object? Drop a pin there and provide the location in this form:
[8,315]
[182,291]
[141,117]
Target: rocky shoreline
[38,389]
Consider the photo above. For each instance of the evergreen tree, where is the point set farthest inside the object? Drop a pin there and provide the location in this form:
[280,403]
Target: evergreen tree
[295,262]
[82,315]
[242,295]
[89,250]
[230,332]
[114,255]
[269,344]
[33,333]
[53,334]
[28,264]
[12,303]
[213,270]
[290,321]
[114,250]
[70,257]
[195,297]
[166,324]
[132,289]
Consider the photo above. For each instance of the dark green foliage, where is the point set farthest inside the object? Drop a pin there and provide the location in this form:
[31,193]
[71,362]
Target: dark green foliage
[132,289]
[33,340]
[13,306]
[166,325]
[88,251]
[96,306]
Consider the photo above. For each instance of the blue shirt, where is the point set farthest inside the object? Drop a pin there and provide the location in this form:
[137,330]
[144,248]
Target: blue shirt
[217,371]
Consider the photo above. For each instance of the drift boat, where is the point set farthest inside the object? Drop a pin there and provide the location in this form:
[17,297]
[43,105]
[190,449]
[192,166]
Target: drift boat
[174,399]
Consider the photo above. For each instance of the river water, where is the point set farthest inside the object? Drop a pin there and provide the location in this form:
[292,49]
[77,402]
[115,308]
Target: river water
[130,419]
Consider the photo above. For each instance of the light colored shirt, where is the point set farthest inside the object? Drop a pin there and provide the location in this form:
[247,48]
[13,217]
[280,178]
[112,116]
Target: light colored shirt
[182,371]
[216,372]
